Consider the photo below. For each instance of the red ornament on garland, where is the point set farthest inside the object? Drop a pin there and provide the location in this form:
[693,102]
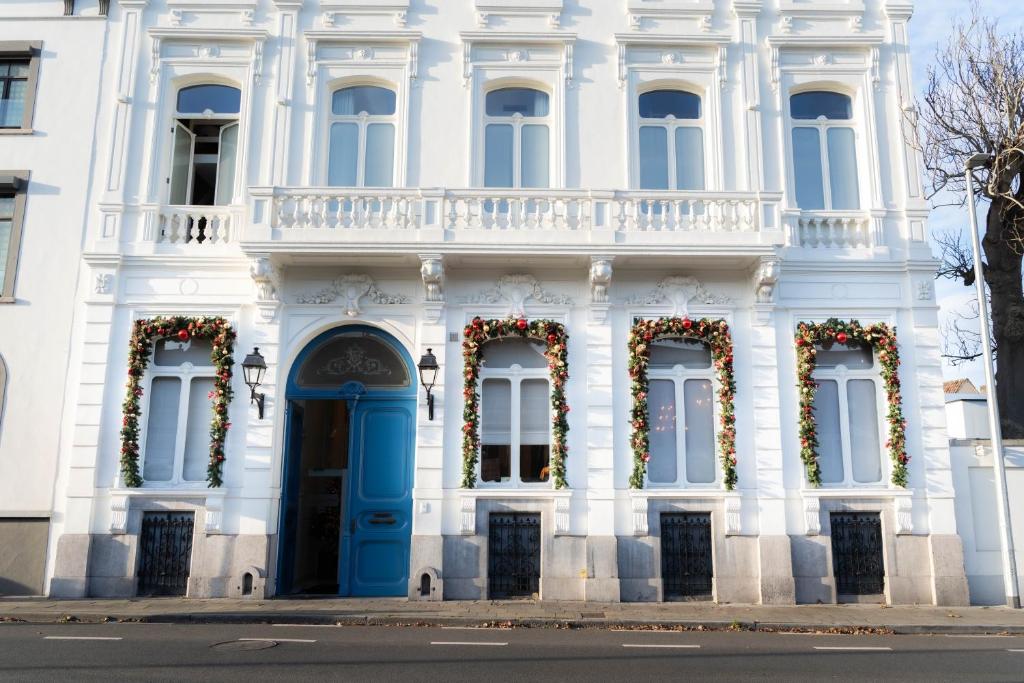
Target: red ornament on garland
[183,335]
[687,323]
[841,337]
[521,323]
[552,339]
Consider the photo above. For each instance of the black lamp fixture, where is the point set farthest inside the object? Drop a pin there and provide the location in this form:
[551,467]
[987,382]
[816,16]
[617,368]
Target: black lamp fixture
[428,375]
[253,367]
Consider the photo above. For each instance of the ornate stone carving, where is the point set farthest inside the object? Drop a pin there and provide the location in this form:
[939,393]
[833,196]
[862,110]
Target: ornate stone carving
[639,510]
[467,516]
[351,288]
[247,17]
[925,290]
[432,272]
[482,19]
[516,290]
[857,23]
[812,515]
[600,278]
[103,283]
[267,278]
[903,513]
[733,518]
[119,514]
[766,278]
[786,25]
[680,291]
[214,514]
[705,23]
[561,516]
[518,56]
[176,16]
[671,58]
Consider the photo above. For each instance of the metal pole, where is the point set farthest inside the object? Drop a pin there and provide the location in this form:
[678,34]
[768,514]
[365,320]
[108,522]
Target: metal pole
[998,467]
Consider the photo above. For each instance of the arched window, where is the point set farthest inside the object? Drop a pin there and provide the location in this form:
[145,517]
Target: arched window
[681,413]
[204,145]
[515,412]
[671,140]
[824,151]
[362,137]
[846,414]
[517,138]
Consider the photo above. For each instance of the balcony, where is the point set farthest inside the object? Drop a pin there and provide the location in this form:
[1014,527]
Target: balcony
[310,220]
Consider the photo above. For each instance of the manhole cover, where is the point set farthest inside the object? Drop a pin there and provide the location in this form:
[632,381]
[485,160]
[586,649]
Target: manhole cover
[243,645]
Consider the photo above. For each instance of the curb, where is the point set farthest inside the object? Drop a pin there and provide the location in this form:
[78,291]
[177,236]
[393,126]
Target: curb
[350,619]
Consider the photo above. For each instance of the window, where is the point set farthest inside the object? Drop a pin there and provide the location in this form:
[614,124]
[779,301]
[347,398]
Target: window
[517,138]
[671,141]
[19,69]
[362,137]
[846,413]
[824,151]
[515,412]
[681,413]
[177,431]
[12,213]
[204,144]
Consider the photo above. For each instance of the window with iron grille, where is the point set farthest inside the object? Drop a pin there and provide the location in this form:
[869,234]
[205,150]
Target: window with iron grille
[857,562]
[513,555]
[686,561]
[165,553]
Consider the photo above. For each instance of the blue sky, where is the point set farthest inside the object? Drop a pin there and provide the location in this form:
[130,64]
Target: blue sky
[929,28]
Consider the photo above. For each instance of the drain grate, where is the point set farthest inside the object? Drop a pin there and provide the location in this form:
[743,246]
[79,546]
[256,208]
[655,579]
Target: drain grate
[243,645]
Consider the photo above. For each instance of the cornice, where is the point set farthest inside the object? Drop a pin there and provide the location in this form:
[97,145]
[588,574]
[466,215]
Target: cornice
[865,40]
[673,39]
[535,38]
[398,36]
[239,34]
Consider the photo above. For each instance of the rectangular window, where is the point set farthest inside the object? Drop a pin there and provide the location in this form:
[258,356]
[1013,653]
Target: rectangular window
[177,445]
[13,195]
[846,416]
[807,168]
[681,414]
[19,69]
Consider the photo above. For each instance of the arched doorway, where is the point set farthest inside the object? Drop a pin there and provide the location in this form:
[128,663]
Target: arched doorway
[346,513]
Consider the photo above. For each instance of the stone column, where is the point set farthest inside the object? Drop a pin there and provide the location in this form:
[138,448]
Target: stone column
[88,381]
[602,583]
[427,552]
[777,585]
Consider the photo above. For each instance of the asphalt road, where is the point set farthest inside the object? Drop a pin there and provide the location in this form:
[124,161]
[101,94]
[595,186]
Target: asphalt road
[158,652]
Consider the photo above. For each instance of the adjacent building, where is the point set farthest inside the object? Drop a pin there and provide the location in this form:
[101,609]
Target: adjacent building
[661,266]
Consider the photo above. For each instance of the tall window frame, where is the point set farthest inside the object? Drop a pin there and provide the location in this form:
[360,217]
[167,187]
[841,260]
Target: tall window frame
[363,120]
[184,145]
[186,374]
[843,376]
[672,126]
[13,198]
[680,376]
[516,376]
[27,54]
[519,123]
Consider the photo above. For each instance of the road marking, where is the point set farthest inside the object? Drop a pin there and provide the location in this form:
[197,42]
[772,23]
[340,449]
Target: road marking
[82,638]
[473,628]
[632,630]
[460,642]
[976,635]
[653,645]
[278,640]
[1015,650]
[851,648]
[310,625]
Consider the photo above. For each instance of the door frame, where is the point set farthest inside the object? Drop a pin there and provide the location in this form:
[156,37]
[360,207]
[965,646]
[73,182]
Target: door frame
[353,393]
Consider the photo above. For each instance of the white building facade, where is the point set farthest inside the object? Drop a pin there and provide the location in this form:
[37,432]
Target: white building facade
[605,220]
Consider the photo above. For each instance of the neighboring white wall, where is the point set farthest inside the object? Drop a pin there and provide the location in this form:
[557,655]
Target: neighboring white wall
[966,416]
[35,330]
[977,517]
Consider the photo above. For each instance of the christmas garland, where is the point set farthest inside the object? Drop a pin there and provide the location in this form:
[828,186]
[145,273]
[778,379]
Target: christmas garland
[714,333]
[878,337]
[144,335]
[476,334]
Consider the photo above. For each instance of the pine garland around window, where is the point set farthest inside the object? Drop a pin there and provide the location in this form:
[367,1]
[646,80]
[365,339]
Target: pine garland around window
[881,339]
[144,335]
[714,333]
[475,335]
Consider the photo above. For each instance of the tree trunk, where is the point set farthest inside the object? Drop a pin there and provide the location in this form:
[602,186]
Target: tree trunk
[1003,275]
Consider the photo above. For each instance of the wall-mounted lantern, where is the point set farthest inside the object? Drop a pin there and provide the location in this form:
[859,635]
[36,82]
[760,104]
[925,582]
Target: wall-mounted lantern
[254,366]
[428,375]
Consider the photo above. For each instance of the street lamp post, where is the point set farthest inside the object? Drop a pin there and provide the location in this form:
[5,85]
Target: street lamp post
[998,467]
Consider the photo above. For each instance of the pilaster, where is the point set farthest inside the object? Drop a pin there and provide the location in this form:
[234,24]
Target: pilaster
[747,12]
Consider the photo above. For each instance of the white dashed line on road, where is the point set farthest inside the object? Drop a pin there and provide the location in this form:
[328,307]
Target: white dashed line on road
[655,645]
[461,642]
[82,638]
[1015,650]
[853,649]
[278,640]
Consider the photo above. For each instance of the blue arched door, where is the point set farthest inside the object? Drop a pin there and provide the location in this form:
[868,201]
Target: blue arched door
[346,515]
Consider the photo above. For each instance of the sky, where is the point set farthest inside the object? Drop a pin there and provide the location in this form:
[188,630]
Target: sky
[930,28]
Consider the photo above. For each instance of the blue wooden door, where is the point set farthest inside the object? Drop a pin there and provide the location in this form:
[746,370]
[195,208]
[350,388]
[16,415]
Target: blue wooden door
[375,540]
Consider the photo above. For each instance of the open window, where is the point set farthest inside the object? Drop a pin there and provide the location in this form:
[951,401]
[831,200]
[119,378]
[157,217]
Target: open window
[515,407]
[824,151]
[362,137]
[204,145]
[847,418]
[671,140]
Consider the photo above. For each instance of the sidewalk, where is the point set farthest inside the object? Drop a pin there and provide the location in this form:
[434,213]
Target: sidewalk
[398,611]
